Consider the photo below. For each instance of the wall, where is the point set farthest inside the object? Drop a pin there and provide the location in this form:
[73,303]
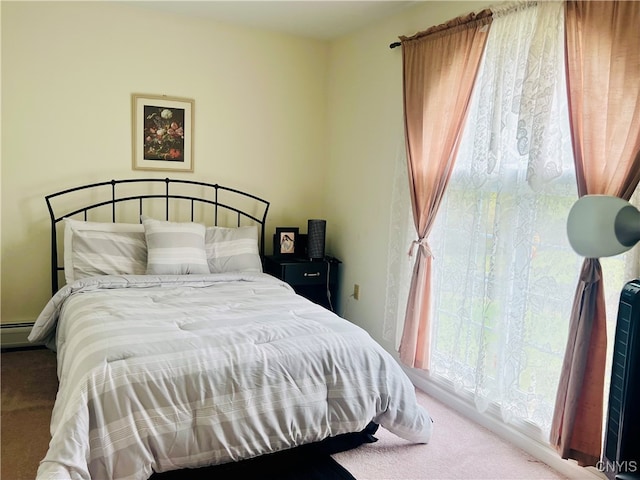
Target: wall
[68,72]
[314,127]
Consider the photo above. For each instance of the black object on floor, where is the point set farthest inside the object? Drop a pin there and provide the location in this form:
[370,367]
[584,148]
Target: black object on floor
[307,462]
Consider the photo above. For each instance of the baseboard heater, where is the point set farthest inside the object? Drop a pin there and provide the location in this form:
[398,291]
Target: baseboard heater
[14,335]
[621,453]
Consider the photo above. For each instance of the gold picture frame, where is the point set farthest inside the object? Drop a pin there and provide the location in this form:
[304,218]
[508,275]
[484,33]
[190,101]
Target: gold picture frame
[162,133]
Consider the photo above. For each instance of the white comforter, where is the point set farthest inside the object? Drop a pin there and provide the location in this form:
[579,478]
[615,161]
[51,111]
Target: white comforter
[161,373]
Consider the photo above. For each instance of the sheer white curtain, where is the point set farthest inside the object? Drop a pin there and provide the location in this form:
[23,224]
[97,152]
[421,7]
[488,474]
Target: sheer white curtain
[504,274]
[399,264]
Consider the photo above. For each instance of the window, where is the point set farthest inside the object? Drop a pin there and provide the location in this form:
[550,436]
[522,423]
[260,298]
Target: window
[504,274]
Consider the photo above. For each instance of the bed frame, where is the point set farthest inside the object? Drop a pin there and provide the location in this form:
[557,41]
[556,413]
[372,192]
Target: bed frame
[114,200]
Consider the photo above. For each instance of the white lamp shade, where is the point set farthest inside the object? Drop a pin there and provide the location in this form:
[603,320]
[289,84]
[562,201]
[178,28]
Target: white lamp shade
[602,226]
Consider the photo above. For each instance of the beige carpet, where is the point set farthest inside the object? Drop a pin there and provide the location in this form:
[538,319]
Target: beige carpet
[459,448]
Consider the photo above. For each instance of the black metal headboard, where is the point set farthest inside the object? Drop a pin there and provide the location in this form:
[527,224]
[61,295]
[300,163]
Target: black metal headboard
[208,203]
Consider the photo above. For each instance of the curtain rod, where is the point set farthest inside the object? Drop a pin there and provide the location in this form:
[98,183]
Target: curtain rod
[461,20]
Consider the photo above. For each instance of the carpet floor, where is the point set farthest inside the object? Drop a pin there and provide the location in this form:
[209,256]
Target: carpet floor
[459,449]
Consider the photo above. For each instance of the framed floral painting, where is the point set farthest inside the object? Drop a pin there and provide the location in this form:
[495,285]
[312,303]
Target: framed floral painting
[162,133]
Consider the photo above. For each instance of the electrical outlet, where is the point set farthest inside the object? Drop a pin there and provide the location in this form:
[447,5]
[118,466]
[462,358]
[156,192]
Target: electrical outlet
[356,291]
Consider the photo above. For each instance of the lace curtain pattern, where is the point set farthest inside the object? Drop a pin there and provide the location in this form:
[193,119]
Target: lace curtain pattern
[504,274]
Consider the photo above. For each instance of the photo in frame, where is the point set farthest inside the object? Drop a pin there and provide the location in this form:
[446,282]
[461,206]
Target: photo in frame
[162,133]
[285,240]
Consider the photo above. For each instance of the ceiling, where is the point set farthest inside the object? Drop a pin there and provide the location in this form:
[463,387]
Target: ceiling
[319,19]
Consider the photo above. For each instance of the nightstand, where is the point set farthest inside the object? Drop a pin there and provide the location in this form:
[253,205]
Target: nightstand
[316,280]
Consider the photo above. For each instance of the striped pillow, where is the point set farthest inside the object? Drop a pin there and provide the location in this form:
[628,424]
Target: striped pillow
[232,249]
[174,248]
[96,248]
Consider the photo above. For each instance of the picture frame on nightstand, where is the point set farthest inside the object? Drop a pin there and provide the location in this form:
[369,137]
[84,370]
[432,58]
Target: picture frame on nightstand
[285,241]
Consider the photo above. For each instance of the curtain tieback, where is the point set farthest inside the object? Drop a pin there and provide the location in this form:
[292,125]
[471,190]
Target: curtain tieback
[421,242]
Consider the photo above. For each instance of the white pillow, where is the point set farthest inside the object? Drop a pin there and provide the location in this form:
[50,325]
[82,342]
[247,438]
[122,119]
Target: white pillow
[232,249]
[96,248]
[174,248]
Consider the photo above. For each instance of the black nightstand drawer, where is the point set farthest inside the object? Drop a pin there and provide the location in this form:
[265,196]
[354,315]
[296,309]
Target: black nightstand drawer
[308,273]
[316,280]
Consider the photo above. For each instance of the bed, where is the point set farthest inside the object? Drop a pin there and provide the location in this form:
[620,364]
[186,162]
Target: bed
[175,350]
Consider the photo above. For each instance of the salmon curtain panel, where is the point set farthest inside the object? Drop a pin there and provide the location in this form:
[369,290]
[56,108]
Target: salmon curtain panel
[439,71]
[603,83]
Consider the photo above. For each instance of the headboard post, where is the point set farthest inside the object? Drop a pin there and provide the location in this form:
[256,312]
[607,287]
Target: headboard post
[113,200]
[215,210]
[166,193]
[54,251]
